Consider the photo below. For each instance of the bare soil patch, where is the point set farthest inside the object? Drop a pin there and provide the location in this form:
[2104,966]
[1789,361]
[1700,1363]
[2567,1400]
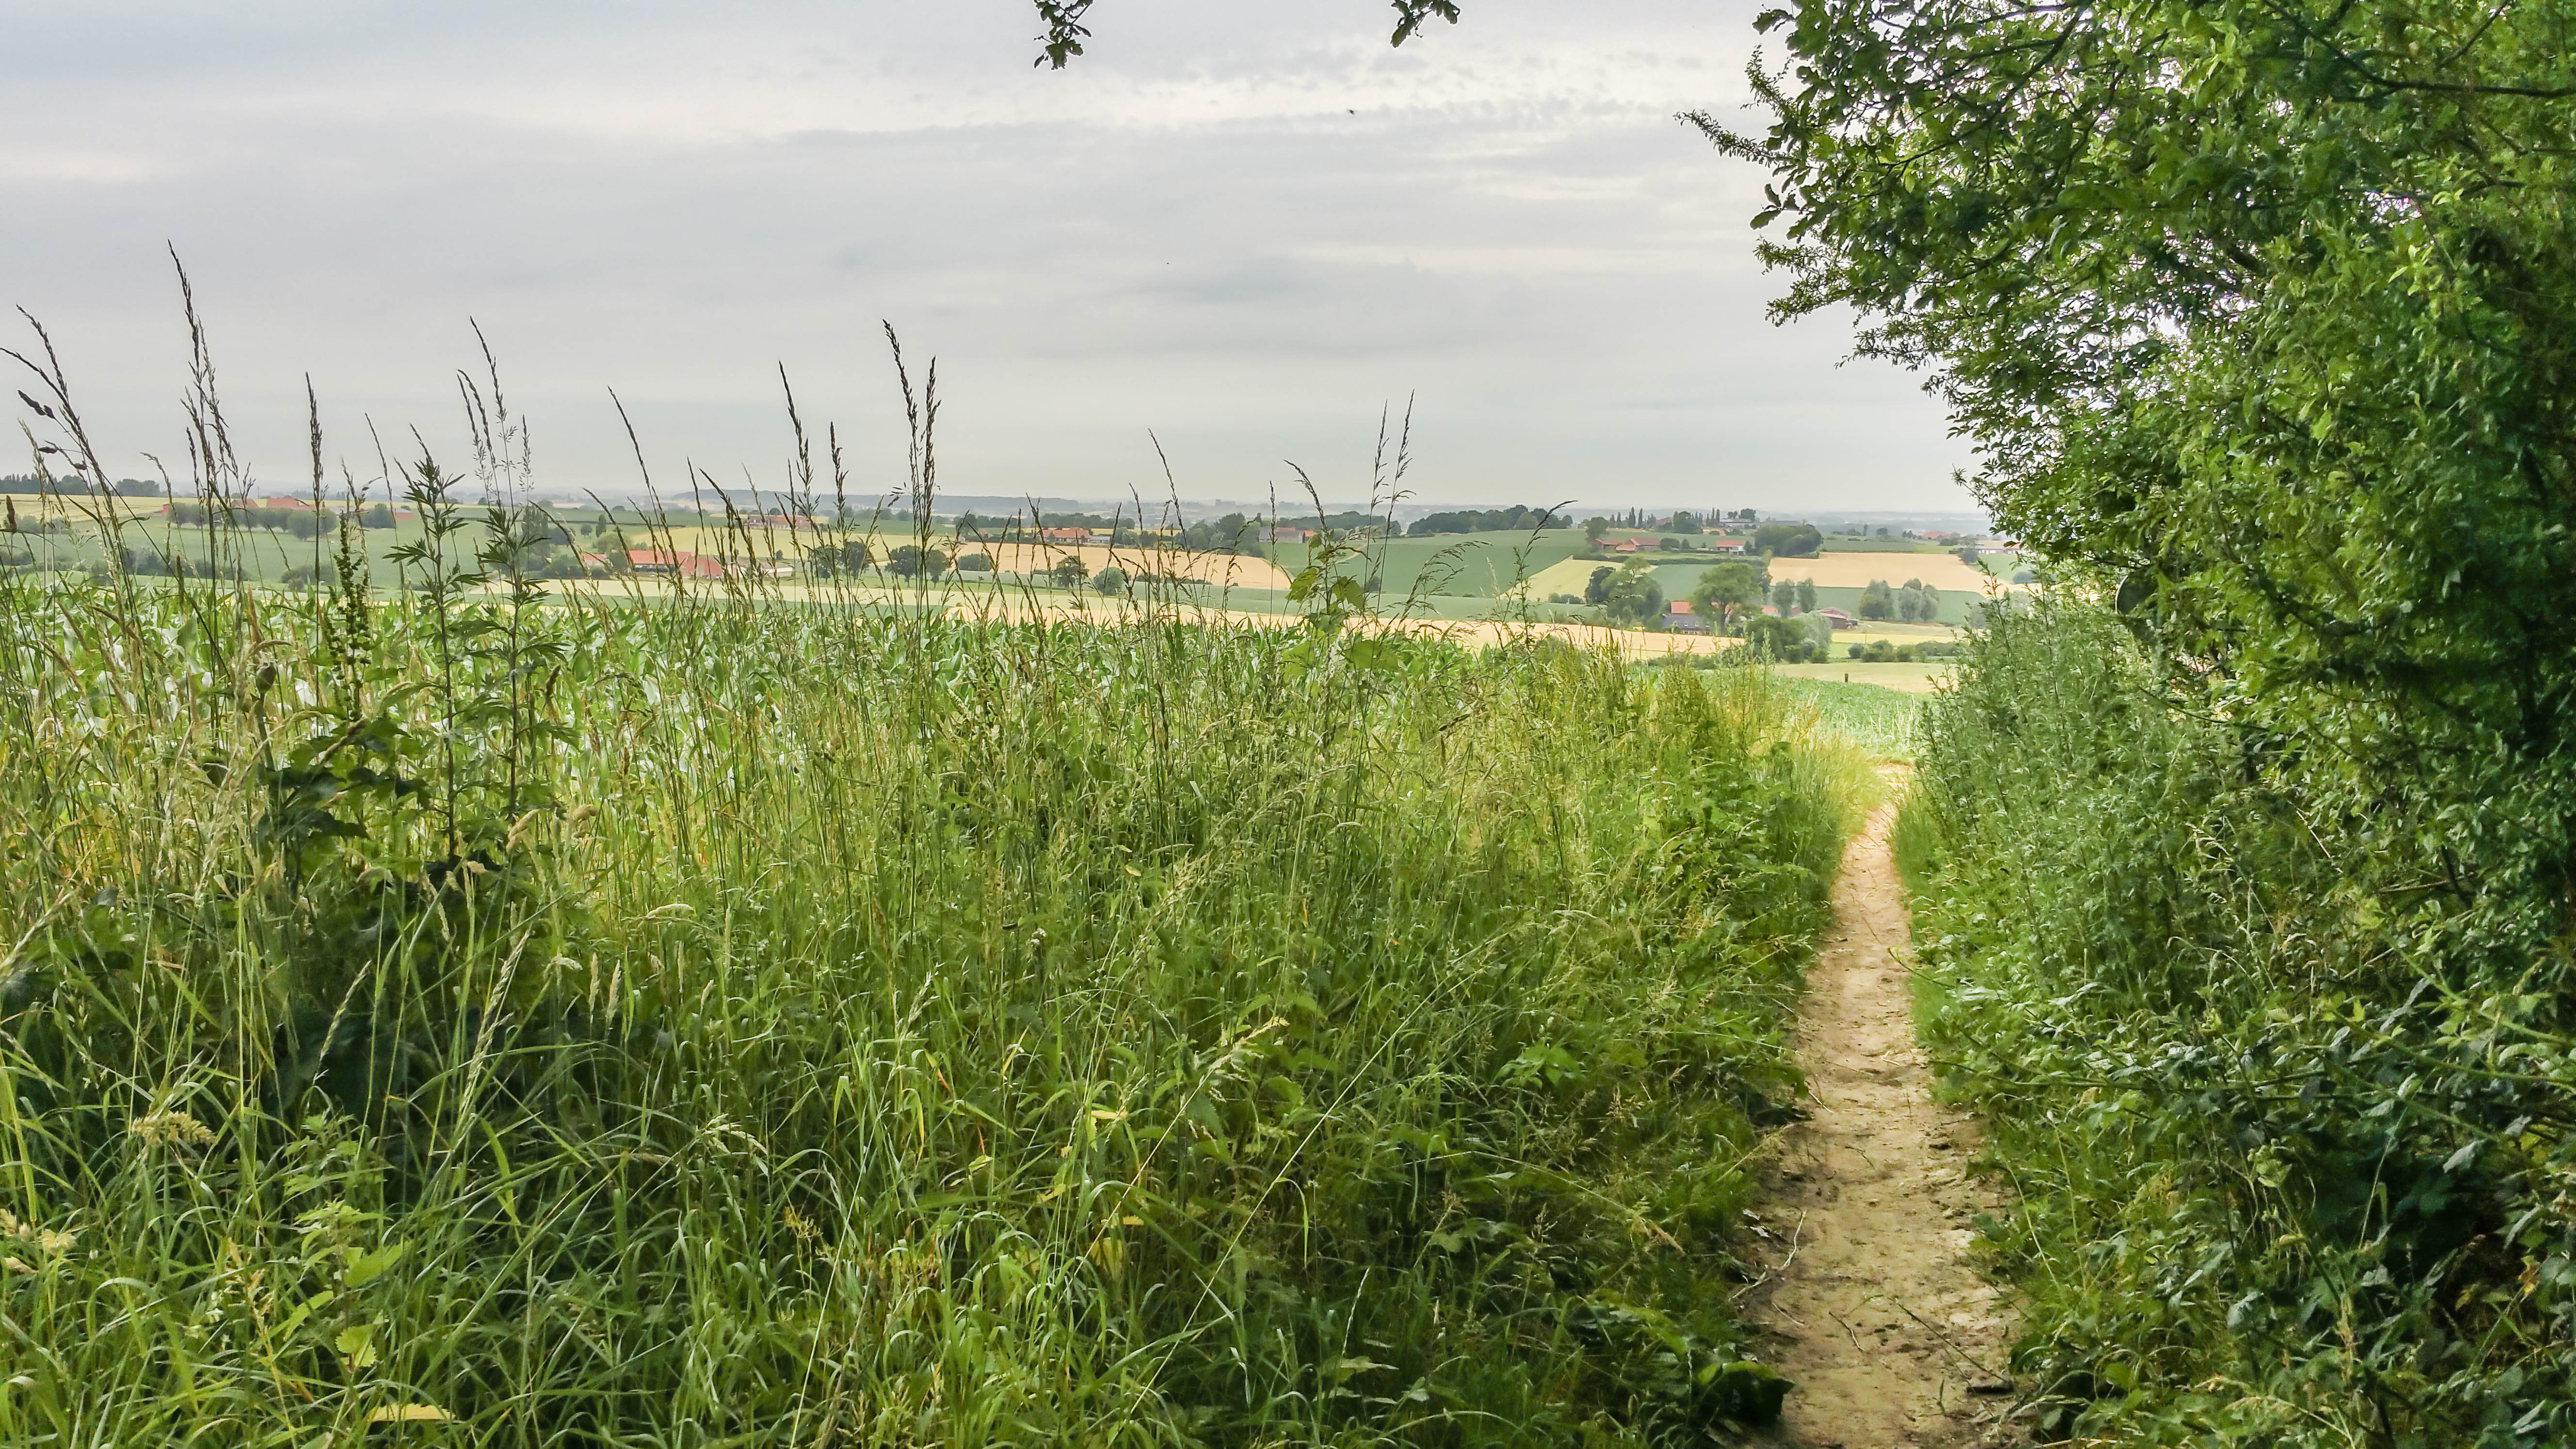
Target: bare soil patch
[1872,1293]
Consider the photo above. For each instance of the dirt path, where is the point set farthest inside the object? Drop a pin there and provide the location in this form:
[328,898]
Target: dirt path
[1875,1306]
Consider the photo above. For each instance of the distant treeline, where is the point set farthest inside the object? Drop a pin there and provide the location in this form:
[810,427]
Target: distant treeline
[302,522]
[1230,533]
[1514,519]
[28,483]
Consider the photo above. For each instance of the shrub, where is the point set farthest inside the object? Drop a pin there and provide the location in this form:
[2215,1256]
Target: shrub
[2274,1118]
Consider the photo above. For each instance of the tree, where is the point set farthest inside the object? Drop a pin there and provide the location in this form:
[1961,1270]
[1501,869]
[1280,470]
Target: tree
[1634,597]
[1820,633]
[1788,540]
[1111,580]
[1877,601]
[1724,589]
[975,563]
[1596,590]
[1784,595]
[379,515]
[1069,572]
[1770,637]
[911,559]
[1686,523]
[1806,596]
[2217,288]
[1233,533]
[1967,553]
[1594,527]
[1065,35]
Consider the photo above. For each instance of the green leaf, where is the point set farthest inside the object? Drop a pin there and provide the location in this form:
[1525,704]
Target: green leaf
[367,1267]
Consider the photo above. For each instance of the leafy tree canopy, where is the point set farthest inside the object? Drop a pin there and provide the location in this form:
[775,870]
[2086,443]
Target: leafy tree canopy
[1515,519]
[1788,540]
[2262,315]
[1724,589]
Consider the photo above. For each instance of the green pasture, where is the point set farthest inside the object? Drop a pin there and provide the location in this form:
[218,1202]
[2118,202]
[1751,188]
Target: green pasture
[1474,565]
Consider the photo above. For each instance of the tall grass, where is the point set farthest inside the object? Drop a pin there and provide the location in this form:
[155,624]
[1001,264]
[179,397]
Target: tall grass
[473,1016]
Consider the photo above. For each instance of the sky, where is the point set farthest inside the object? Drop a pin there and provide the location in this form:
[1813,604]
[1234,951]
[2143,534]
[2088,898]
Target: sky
[1244,229]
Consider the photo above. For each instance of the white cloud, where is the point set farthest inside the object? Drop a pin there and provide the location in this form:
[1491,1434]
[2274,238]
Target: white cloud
[1246,226]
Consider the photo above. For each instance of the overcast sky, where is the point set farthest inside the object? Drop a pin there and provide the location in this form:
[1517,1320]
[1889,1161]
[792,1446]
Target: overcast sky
[1242,225]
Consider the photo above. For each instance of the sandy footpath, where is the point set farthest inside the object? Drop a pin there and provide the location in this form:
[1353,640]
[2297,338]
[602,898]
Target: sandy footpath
[1872,1301]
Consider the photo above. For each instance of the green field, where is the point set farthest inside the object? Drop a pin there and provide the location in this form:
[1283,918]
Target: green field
[1879,721]
[1475,565]
[1872,543]
[1458,576]
[510,1023]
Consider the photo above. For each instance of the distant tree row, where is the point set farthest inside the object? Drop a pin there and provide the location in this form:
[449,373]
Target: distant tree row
[1794,596]
[301,522]
[1515,519]
[125,487]
[1915,602]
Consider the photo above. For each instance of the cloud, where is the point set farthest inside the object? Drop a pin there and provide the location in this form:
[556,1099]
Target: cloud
[1248,227]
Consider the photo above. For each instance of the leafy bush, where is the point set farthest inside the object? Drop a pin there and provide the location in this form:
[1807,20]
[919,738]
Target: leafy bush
[2288,1112]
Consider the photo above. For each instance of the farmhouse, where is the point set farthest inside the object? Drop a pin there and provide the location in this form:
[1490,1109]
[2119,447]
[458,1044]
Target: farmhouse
[1681,618]
[1837,618]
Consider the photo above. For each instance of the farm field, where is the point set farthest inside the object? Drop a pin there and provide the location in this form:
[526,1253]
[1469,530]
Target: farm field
[1244,584]
[1471,565]
[1478,622]
[1920,678]
[1942,571]
[1881,715]
[1964,588]
[1851,543]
